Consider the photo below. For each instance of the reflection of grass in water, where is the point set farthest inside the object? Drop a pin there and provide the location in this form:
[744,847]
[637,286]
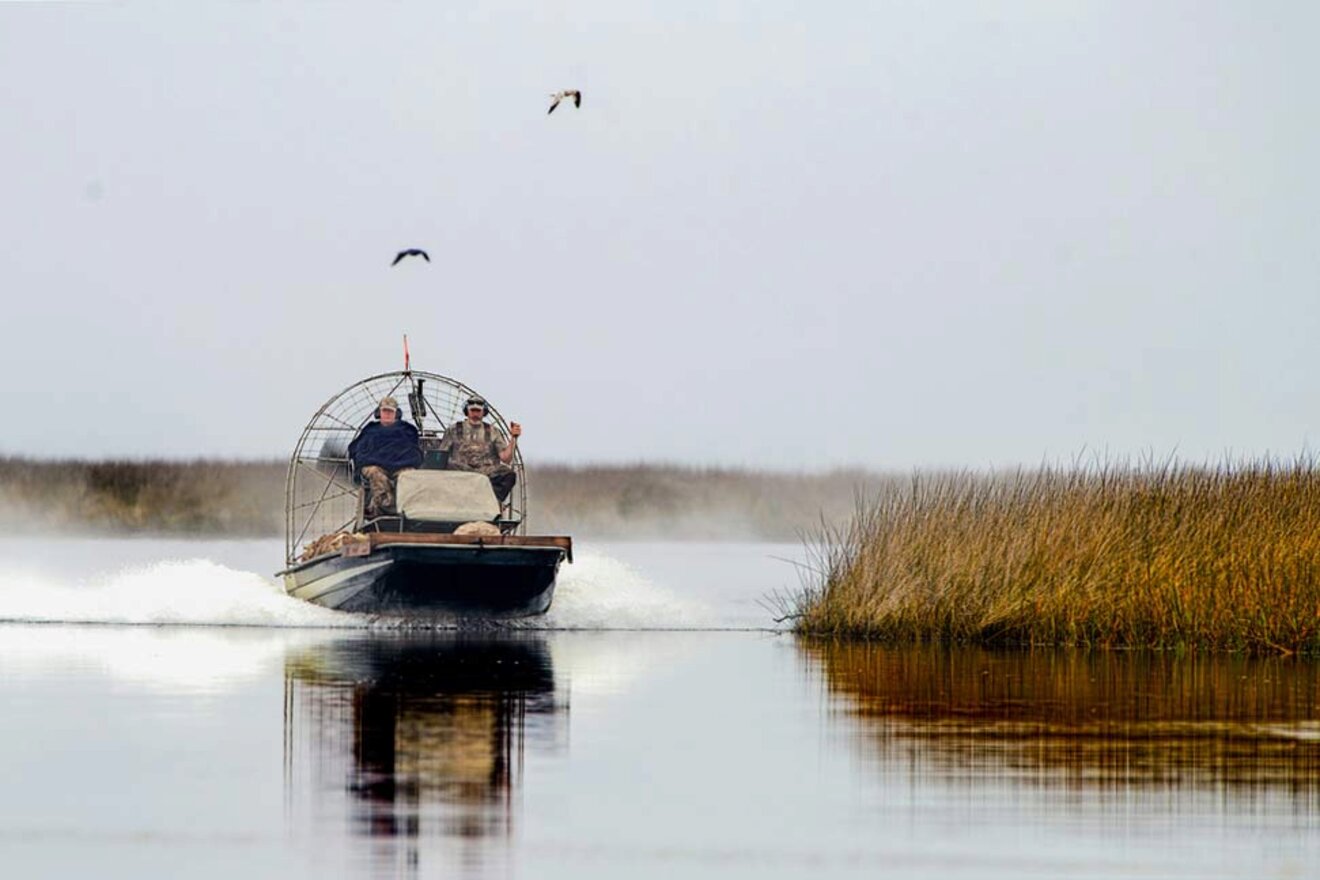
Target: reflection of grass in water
[1171,557]
[1086,718]
[247,498]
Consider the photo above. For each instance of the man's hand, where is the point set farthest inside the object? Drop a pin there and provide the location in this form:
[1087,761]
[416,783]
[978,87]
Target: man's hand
[515,430]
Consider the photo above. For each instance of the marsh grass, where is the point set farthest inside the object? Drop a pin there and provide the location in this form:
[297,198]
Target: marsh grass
[1169,556]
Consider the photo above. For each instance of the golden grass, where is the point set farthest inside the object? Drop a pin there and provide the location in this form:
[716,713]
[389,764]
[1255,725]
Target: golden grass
[1172,557]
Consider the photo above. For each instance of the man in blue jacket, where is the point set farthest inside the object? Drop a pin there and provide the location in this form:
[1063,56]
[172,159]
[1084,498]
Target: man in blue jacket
[381,449]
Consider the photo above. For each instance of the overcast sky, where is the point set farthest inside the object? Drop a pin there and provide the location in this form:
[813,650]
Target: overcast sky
[775,234]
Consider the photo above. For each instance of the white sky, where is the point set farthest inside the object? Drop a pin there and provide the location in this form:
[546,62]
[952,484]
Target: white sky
[775,234]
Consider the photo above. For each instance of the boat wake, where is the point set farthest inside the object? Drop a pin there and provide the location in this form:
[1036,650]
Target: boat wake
[596,592]
[197,592]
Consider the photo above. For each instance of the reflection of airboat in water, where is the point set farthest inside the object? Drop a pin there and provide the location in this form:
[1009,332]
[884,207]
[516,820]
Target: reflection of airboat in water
[449,548]
[425,733]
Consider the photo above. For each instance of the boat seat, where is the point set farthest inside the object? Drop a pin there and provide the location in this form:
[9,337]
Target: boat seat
[446,496]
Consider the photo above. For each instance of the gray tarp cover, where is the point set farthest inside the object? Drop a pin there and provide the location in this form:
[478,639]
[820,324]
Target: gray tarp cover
[446,496]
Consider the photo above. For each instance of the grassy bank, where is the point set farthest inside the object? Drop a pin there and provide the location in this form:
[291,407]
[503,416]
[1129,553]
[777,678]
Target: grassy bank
[246,498]
[1167,557]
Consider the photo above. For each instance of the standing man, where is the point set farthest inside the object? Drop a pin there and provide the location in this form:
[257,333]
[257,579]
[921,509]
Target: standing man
[474,444]
[381,449]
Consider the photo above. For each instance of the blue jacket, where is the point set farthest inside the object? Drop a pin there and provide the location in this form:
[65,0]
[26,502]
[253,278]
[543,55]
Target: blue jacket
[391,448]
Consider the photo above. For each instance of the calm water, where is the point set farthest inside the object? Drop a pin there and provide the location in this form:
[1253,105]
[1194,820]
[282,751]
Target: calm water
[652,727]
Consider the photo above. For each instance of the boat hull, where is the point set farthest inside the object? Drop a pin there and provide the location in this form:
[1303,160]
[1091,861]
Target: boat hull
[421,579]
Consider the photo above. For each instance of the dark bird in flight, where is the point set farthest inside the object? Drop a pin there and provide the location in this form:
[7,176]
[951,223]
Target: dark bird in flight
[566,93]
[411,252]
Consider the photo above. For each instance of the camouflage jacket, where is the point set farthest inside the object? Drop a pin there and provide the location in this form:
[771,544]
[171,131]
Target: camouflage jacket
[473,447]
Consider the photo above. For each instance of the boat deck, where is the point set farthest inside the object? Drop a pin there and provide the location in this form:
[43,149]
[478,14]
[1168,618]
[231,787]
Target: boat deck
[381,539]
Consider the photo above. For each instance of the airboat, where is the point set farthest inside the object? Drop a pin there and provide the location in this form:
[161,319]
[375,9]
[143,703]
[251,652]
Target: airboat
[448,549]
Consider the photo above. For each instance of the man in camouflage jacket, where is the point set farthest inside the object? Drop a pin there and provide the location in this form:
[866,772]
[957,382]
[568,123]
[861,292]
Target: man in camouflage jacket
[474,444]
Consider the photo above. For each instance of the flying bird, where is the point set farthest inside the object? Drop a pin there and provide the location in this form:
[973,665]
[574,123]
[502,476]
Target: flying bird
[411,252]
[566,93]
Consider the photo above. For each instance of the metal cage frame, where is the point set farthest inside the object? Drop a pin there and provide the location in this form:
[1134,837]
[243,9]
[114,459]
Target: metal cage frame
[319,488]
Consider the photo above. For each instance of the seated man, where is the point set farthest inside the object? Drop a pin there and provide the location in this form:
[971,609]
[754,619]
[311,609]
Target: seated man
[380,450]
[477,445]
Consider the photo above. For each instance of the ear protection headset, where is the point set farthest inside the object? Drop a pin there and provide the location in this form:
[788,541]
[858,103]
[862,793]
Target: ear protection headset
[375,414]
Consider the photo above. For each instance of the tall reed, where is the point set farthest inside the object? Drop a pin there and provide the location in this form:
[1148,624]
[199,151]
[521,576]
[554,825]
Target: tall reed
[1148,555]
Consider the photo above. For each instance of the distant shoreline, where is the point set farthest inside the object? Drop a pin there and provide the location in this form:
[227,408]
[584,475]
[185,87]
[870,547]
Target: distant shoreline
[245,499]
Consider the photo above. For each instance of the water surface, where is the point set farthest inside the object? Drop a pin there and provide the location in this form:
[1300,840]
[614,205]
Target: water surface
[184,718]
